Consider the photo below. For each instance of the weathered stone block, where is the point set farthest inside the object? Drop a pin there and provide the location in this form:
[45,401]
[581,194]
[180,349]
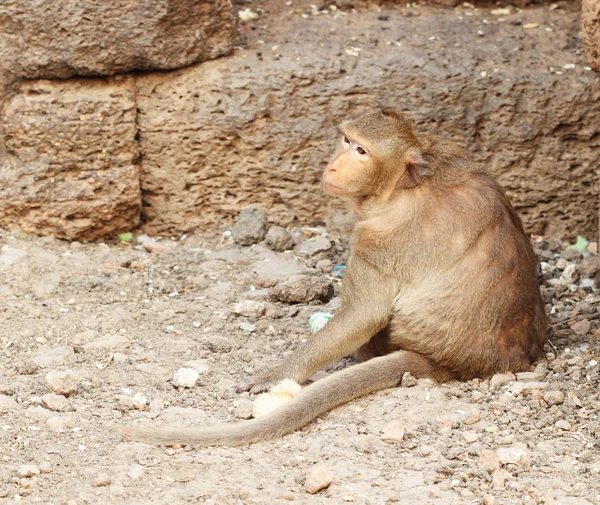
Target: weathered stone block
[258,130]
[590,29]
[63,38]
[70,165]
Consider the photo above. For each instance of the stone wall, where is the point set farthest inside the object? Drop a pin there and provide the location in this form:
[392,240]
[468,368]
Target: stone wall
[590,28]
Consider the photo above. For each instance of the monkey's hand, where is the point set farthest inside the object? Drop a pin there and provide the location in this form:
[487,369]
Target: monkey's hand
[261,383]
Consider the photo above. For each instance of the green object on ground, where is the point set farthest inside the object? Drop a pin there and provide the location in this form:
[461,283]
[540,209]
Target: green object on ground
[126,237]
[581,244]
[318,320]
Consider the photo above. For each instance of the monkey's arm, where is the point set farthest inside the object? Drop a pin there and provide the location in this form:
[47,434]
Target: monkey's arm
[366,305]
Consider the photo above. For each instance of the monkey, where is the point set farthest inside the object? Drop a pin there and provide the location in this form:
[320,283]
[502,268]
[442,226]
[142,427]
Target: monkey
[441,282]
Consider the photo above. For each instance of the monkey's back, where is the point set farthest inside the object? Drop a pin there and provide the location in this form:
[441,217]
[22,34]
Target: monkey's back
[472,303]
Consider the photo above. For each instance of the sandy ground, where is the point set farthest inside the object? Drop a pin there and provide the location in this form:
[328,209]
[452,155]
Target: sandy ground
[123,319]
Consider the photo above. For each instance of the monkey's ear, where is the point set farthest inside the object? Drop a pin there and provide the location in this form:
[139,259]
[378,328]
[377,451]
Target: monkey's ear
[416,169]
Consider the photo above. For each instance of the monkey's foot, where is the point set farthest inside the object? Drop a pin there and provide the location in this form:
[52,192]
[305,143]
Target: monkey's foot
[255,385]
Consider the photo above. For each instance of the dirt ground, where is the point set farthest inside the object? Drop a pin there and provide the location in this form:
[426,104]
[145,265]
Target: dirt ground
[124,318]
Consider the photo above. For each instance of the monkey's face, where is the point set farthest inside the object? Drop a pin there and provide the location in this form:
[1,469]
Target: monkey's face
[350,169]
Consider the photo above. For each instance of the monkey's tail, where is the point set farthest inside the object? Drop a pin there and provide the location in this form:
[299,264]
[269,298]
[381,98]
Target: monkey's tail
[314,400]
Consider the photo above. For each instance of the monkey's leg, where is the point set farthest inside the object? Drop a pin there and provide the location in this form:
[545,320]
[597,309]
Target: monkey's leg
[314,400]
[379,345]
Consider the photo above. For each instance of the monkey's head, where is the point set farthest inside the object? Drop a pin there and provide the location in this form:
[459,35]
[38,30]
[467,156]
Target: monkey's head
[378,153]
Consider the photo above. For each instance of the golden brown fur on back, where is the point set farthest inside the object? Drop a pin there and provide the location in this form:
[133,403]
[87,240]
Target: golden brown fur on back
[441,281]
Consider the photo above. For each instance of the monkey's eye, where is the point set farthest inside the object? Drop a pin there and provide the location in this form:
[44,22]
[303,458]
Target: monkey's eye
[361,150]
[345,141]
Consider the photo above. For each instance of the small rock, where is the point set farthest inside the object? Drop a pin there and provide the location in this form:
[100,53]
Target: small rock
[499,478]
[472,416]
[572,500]
[470,437]
[563,425]
[101,480]
[582,327]
[250,328]
[62,383]
[271,270]
[319,477]
[197,364]
[12,256]
[489,460]
[136,473]
[243,409]
[303,289]
[52,357]
[185,377]
[393,432]
[84,337]
[501,379]
[139,401]
[249,308]
[251,226]
[120,357]
[7,404]
[554,397]
[313,246]
[108,342]
[408,380]
[570,274]
[28,471]
[57,403]
[515,455]
[279,239]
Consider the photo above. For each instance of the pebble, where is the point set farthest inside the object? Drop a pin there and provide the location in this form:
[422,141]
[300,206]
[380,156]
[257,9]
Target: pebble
[489,460]
[563,425]
[472,416]
[582,327]
[313,246]
[393,432]
[7,403]
[62,383]
[243,410]
[249,308]
[554,397]
[57,403]
[251,226]
[28,471]
[185,377]
[139,401]
[101,480]
[470,437]
[250,328]
[501,379]
[319,478]
[515,455]
[279,239]
[136,472]
[303,289]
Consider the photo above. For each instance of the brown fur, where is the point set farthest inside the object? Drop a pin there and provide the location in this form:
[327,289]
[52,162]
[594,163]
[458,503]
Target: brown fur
[441,282]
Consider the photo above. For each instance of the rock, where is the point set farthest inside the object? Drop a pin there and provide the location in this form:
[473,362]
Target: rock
[243,410]
[269,159]
[590,30]
[84,337]
[554,397]
[303,289]
[489,460]
[408,380]
[62,383]
[515,455]
[57,403]
[250,328]
[393,432]
[570,274]
[11,256]
[28,471]
[535,376]
[572,500]
[472,416]
[279,239]
[59,40]
[251,226]
[582,327]
[56,181]
[563,425]
[499,478]
[52,357]
[590,268]
[249,308]
[101,480]
[139,401]
[313,246]
[319,478]
[197,364]
[108,343]
[276,269]
[185,377]
[470,436]
[501,379]
[7,404]
[136,473]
